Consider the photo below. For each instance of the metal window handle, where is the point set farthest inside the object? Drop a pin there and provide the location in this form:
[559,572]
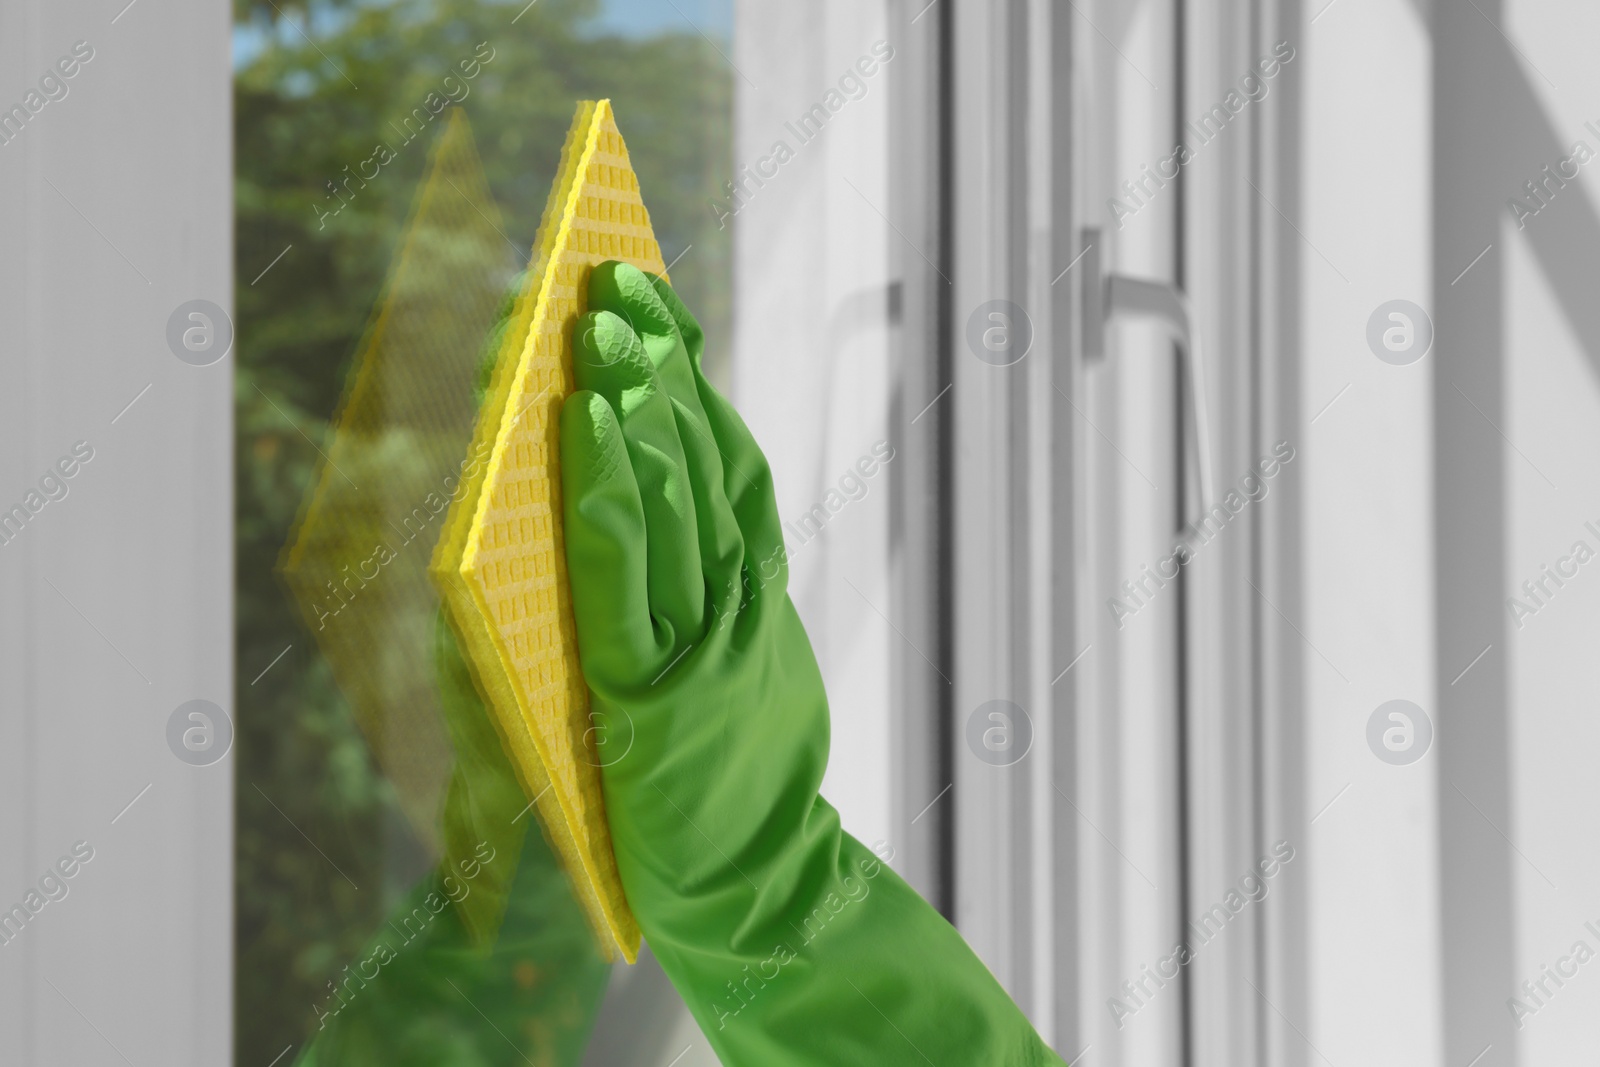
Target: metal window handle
[1109,296]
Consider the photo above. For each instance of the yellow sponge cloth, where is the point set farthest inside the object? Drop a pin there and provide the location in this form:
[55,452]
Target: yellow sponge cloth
[501,565]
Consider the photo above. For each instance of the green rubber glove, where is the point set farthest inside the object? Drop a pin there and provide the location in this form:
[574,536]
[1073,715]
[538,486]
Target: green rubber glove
[790,941]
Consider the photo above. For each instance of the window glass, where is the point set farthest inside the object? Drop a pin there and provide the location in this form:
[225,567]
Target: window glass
[392,164]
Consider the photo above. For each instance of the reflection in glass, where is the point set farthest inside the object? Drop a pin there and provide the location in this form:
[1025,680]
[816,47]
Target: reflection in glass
[394,903]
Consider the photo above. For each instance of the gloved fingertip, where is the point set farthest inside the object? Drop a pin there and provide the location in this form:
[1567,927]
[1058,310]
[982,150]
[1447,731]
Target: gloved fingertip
[600,338]
[686,323]
[625,290]
[591,435]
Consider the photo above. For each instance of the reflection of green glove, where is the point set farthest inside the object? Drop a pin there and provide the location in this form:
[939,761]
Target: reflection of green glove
[790,941]
[487,962]
[421,994]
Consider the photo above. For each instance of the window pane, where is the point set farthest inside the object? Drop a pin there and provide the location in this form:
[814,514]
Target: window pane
[392,165]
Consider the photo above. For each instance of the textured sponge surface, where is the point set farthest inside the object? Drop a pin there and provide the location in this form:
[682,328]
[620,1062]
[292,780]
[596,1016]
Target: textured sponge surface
[508,551]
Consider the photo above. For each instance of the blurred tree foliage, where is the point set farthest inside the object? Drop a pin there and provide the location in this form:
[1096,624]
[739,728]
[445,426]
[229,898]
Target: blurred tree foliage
[334,80]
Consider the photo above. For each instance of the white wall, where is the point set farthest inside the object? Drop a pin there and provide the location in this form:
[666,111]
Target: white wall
[1552,382]
[115,602]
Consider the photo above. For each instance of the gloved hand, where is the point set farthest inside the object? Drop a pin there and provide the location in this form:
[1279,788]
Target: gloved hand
[790,941]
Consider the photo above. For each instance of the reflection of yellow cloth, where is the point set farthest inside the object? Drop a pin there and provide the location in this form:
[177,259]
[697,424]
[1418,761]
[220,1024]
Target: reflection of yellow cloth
[502,564]
[356,563]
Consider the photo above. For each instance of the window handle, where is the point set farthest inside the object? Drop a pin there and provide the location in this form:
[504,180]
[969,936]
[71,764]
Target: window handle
[1110,296]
